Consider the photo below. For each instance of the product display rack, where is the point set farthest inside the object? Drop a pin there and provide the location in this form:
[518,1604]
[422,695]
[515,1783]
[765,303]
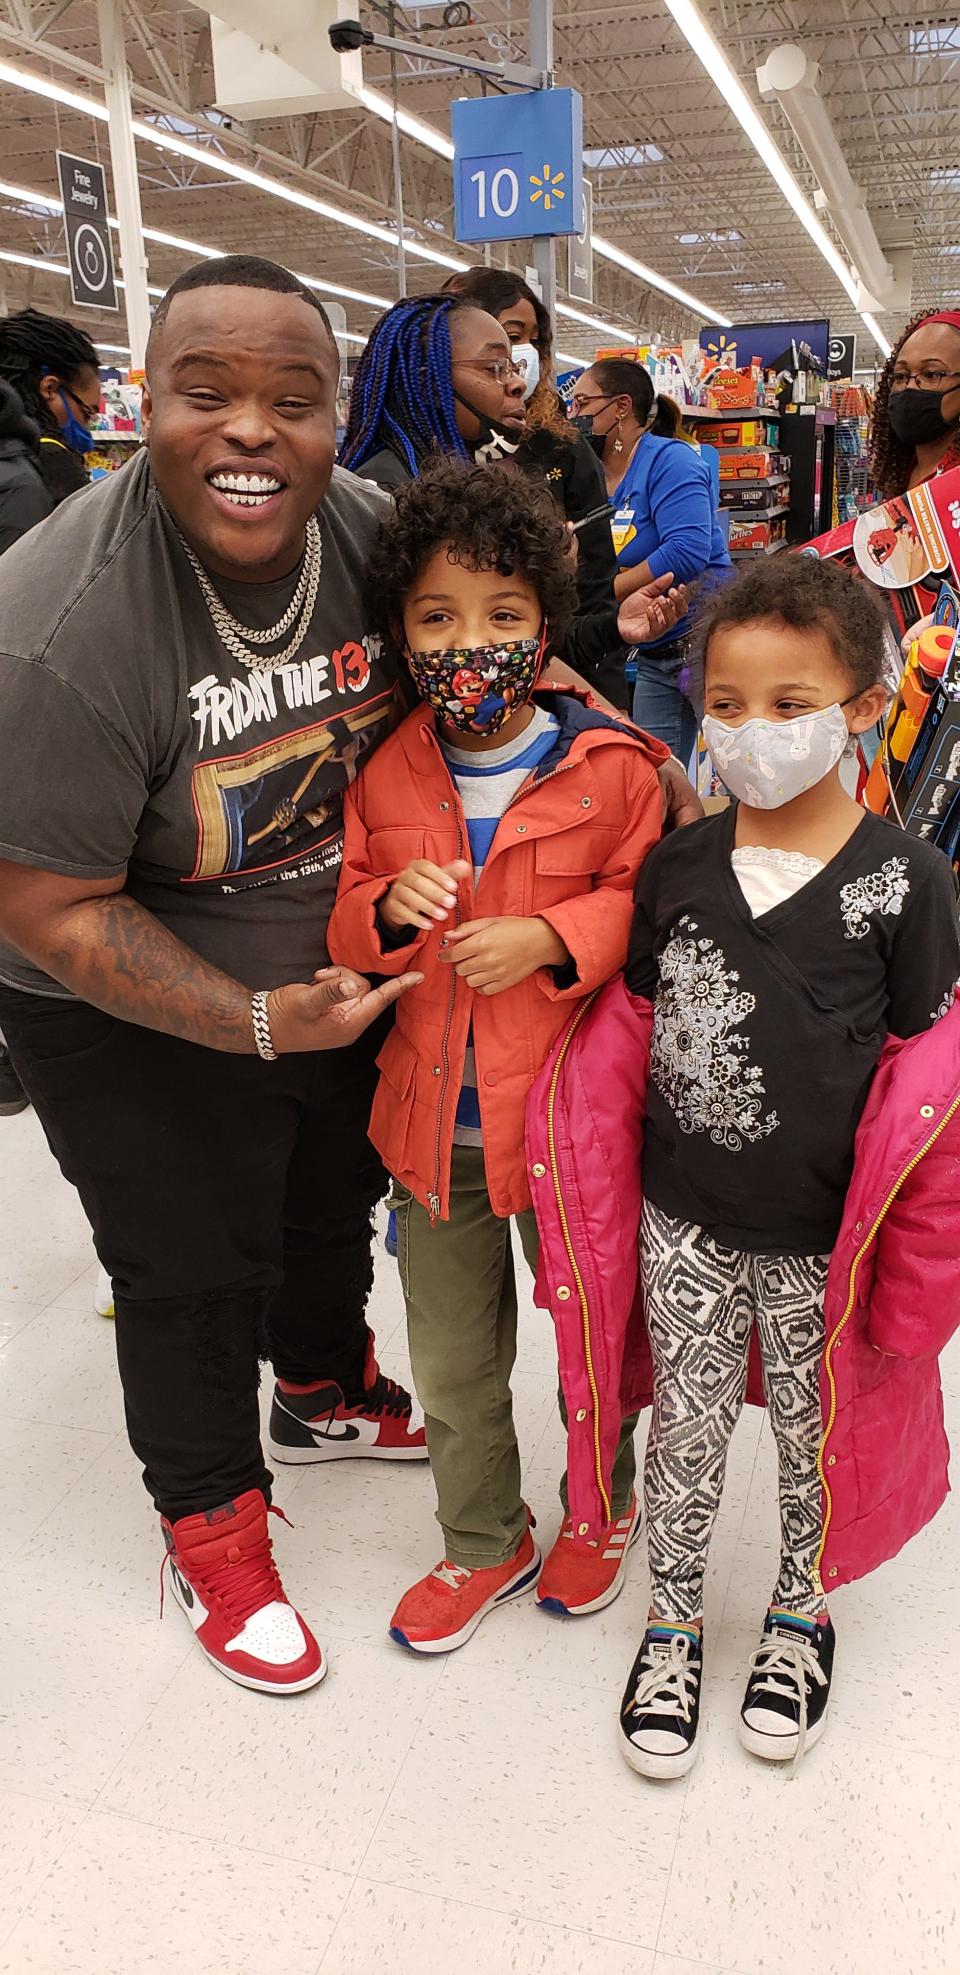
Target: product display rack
[754,474]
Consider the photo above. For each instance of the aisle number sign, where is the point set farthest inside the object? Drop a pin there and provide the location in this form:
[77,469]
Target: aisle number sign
[518,165]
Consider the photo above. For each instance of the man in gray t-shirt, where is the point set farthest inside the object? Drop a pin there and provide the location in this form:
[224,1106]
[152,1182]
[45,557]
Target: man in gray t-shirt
[186,689]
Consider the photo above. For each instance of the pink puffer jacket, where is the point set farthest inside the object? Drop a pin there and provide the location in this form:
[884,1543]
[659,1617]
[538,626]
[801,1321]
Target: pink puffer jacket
[893,1292]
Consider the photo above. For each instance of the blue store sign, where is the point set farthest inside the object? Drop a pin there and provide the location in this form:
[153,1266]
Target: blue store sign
[518,165]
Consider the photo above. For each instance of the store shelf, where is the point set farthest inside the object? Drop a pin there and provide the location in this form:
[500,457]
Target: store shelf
[728,417]
[758,513]
[775,480]
[116,439]
[773,548]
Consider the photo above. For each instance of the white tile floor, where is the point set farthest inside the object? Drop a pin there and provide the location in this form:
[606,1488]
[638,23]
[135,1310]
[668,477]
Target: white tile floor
[468,1817]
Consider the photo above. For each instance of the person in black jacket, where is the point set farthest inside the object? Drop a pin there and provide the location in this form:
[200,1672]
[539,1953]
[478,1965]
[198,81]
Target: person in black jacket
[553,447]
[438,376]
[49,383]
[52,367]
[24,499]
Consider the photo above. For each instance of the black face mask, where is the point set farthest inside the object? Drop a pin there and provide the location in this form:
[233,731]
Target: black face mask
[496,441]
[582,422]
[916,417]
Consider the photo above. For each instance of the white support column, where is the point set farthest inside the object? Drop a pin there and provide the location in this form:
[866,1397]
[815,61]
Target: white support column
[541,57]
[126,185]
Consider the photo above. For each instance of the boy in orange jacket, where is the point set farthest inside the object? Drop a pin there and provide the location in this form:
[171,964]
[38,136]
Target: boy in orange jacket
[492,843]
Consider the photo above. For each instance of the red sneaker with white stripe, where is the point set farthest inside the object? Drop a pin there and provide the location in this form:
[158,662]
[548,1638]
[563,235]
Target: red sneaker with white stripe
[318,1423]
[224,1578]
[582,1577]
[444,1609]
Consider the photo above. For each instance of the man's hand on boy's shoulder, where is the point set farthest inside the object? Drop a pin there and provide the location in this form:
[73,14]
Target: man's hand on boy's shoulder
[681,803]
[494,954]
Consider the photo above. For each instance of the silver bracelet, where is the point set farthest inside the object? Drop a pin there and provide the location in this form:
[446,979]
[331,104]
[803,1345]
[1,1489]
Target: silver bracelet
[261,1028]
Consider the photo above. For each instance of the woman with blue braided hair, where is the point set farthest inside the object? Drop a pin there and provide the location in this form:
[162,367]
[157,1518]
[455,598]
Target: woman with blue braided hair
[437,378]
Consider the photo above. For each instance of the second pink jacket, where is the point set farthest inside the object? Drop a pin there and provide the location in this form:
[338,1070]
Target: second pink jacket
[893,1291]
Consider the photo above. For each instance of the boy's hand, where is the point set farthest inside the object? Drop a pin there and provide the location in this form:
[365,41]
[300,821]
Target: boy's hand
[493,954]
[423,895]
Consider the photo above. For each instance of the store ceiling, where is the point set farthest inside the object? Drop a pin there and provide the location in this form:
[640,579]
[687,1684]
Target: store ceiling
[677,182]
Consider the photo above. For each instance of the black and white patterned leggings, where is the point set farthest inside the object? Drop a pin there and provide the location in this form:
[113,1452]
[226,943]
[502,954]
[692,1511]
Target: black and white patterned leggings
[701,1302]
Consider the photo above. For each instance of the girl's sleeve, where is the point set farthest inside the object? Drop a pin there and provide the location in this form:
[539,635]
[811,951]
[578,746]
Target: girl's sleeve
[925,959]
[641,973]
[682,511]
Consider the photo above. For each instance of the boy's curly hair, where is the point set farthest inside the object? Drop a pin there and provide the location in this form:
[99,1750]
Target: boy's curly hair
[486,517]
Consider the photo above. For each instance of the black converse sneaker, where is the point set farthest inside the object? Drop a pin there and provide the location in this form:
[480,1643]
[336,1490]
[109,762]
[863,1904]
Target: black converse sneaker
[660,1711]
[785,1706]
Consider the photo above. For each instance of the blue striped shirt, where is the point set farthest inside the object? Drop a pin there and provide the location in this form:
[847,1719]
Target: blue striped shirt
[487,784]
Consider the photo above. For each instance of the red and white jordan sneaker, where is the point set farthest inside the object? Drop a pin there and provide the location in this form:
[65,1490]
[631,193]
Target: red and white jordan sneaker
[443,1611]
[583,1577]
[317,1423]
[224,1578]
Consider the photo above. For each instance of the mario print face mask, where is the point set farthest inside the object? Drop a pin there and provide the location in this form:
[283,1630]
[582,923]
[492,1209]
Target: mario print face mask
[478,687]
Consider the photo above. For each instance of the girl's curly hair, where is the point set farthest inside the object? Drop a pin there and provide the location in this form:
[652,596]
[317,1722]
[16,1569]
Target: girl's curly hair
[891,462]
[486,517]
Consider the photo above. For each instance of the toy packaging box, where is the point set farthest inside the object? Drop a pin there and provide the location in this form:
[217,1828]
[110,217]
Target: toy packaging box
[909,549]
[757,531]
[745,496]
[905,546]
[746,432]
[751,466]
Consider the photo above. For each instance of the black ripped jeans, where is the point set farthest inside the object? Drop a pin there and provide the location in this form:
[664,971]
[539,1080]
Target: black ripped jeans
[231,1203]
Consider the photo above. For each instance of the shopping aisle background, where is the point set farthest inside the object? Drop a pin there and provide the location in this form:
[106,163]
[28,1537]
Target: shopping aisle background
[467,1817]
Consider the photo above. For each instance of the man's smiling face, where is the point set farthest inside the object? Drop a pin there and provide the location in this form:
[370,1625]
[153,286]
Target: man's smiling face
[240,415]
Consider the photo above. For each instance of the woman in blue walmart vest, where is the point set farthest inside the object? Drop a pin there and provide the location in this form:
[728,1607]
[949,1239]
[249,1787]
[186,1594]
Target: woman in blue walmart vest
[664,517]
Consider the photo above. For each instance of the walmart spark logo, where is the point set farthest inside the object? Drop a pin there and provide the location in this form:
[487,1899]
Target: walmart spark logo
[548,187]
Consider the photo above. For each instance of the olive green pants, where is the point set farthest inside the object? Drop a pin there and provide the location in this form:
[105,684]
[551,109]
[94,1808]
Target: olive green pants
[461,1295]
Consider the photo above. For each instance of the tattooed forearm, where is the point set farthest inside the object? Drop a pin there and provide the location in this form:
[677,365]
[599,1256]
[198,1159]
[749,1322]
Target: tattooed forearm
[112,952]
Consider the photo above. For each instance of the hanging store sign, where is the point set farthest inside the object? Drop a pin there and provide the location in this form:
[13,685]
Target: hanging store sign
[580,252]
[89,252]
[518,165]
[841,356]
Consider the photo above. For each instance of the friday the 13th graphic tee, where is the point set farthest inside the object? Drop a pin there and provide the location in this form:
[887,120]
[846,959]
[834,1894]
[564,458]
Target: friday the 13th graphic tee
[132,740]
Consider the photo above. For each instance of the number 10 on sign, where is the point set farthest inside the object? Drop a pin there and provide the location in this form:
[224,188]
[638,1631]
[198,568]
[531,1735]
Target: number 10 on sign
[496,185]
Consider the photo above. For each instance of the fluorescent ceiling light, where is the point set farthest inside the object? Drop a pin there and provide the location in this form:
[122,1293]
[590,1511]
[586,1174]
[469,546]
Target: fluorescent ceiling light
[412,126]
[23,196]
[710,53]
[877,333]
[694,27]
[54,267]
[57,267]
[594,322]
[42,86]
[33,260]
[608,252]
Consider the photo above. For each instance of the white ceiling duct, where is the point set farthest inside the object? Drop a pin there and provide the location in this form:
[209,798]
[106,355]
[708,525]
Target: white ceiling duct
[277,60]
[792,79]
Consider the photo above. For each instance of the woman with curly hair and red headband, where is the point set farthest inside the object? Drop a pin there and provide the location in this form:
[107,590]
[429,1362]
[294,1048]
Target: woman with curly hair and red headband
[916,420]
